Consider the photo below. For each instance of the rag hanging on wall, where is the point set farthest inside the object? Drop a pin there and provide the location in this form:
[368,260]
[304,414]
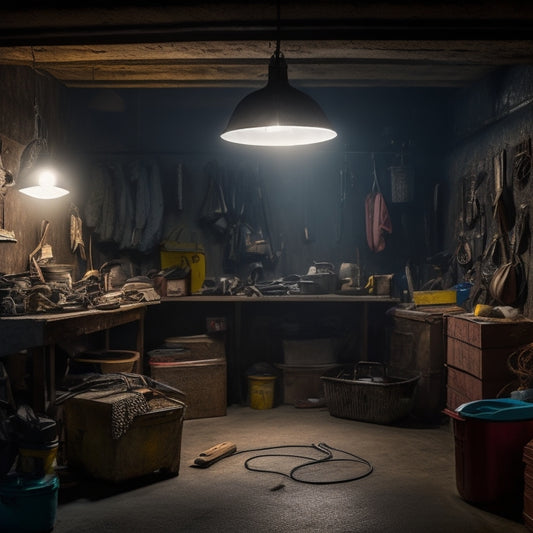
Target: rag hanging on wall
[376,215]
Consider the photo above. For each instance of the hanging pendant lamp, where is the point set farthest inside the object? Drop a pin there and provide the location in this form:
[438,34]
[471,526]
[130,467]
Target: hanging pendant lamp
[278,114]
[41,180]
[38,173]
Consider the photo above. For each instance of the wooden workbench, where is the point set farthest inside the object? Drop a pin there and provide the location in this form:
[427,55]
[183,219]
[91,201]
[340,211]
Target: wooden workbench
[39,334]
[240,308]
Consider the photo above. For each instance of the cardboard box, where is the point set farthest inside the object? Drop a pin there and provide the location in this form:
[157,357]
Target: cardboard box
[301,352]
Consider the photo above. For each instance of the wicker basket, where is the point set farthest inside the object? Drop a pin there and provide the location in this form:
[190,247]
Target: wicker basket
[381,400]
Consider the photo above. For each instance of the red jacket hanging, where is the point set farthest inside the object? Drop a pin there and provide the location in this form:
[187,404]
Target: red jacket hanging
[377,221]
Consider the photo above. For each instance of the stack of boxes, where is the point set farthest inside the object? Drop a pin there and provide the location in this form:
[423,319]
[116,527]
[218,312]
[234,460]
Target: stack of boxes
[196,365]
[305,360]
[477,353]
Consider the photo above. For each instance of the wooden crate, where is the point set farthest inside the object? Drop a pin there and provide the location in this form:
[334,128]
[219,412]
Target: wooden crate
[418,345]
[490,332]
[489,363]
[477,351]
[471,388]
[151,443]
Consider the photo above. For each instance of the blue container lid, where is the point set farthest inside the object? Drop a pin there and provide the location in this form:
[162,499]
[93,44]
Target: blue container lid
[16,485]
[501,409]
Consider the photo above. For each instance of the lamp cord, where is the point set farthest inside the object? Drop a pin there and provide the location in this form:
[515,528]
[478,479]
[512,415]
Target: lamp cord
[311,461]
[278,28]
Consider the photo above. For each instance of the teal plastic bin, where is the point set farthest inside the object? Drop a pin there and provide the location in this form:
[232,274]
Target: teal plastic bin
[28,505]
[502,409]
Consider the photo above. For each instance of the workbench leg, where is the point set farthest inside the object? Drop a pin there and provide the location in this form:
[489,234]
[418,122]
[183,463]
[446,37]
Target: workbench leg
[52,376]
[140,346]
[44,374]
[364,333]
[237,352]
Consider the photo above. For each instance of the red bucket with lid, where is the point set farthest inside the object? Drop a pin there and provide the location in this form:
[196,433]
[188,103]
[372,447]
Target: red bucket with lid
[489,467]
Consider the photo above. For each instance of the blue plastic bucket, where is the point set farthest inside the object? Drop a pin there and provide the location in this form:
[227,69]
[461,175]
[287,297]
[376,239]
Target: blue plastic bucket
[28,505]
[463,292]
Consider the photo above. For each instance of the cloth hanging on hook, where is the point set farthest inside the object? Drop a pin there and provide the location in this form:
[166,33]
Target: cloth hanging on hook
[377,217]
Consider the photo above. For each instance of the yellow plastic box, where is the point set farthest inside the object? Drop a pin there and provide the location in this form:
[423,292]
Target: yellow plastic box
[435,297]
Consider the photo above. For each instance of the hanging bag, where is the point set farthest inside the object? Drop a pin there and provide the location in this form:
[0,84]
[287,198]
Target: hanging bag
[376,215]
[508,284]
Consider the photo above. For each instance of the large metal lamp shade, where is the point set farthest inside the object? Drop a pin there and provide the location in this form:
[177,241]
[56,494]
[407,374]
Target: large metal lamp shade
[278,114]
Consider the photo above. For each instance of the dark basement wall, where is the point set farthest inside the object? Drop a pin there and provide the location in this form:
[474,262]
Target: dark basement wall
[494,115]
[301,186]
[21,88]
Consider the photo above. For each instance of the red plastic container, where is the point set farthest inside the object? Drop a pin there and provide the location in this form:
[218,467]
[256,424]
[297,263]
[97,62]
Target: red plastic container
[489,466]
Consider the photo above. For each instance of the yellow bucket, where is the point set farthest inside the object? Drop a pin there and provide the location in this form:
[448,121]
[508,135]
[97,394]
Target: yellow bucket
[38,460]
[261,391]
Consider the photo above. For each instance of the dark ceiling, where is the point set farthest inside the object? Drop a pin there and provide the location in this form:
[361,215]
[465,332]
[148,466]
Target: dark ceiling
[228,44]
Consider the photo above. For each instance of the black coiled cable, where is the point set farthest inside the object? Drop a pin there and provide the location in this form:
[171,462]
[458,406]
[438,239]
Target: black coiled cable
[310,461]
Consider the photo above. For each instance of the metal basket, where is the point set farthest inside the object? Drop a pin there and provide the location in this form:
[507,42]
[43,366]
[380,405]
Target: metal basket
[381,400]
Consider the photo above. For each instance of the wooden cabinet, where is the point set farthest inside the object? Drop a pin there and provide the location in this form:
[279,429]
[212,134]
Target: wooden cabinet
[418,346]
[476,356]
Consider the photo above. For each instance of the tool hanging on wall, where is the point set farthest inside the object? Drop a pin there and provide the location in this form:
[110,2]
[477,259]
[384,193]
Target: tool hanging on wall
[179,185]
[401,182]
[6,180]
[343,179]
[34,264]
[522,163]
[308,232]
[76,233]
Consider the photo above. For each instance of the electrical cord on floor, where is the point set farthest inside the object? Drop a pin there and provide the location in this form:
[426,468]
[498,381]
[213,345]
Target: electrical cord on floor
[311,461]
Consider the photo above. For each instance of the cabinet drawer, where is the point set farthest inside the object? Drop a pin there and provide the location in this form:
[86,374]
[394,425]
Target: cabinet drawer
[490,363]
[473,387]
[490,333]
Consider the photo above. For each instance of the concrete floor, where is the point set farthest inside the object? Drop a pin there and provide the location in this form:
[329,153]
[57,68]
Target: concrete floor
[411,489]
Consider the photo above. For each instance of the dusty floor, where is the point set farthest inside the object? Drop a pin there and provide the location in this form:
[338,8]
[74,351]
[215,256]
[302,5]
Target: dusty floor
[411,489]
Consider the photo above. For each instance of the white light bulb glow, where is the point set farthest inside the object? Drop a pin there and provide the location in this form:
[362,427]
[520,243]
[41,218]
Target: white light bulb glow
[279,135]
[46,190]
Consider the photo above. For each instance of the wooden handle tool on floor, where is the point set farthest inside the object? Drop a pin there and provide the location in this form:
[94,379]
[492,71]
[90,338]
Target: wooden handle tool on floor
[215,453]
